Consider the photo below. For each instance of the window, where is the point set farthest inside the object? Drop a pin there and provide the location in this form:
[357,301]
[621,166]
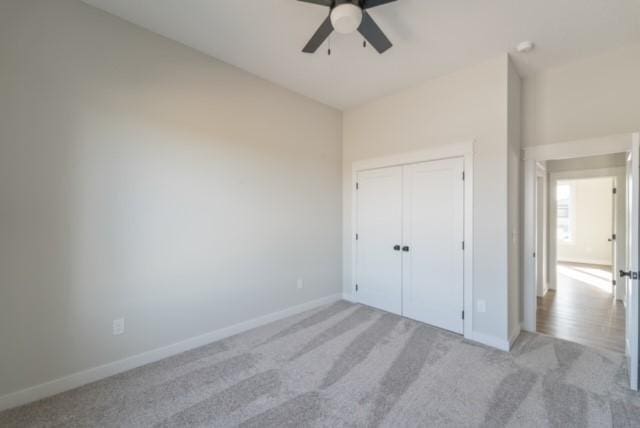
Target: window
[564,197]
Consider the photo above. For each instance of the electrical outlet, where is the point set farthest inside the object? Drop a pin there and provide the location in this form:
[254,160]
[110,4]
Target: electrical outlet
[300,283]
[482,306]
[118,326]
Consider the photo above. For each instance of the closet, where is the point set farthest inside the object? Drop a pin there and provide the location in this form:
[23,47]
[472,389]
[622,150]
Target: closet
[410,241]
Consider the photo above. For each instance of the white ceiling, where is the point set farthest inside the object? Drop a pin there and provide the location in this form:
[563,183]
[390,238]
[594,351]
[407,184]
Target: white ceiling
[431,38]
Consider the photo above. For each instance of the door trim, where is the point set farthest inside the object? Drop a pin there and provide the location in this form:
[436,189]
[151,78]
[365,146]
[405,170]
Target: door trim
[455,150]
[531,155]
[541,247]
[618,143]
[617,174]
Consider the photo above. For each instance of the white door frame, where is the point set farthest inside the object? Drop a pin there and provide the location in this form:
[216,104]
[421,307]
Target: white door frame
[455,150]
[531,155]
[541,256]
[633,322]
[618,176]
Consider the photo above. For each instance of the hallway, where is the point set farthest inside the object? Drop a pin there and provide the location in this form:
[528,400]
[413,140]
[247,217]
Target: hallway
[582,309]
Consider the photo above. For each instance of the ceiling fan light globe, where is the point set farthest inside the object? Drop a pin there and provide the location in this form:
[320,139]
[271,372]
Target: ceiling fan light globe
[346,18]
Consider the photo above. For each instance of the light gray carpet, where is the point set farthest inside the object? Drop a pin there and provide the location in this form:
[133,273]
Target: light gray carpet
[349,365]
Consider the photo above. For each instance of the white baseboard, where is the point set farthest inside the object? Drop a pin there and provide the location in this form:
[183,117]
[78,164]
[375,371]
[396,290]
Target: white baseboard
[485,339]
[492,341]
[627,347]
[84,377]
[545,288]
[348,297]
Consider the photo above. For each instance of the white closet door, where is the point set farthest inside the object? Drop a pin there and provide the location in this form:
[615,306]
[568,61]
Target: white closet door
[379,217]
[433,263]
[633,262]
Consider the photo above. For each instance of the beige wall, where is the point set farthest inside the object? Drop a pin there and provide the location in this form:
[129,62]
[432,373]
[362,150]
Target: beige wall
[592,220]
[584,99]
[514,132]
[142,179]
[593,97]
[468,105]
[590,162]
[618,174]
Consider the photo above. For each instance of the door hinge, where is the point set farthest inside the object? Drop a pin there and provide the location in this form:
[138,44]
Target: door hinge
[463,176]
[462,314]
[356,288]
[615,190]
[357,186]
[534,254]
[356,236]
[462,245]
[614,282]
[614,237]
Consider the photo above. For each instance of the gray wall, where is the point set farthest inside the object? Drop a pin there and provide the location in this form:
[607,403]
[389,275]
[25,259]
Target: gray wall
[592,97]
[590,162]
[514,131]
[468,105]
[139,178]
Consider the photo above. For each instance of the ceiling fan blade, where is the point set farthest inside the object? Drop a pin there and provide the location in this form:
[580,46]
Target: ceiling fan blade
[326,28]
[368,4]
[320,2]
[374,35]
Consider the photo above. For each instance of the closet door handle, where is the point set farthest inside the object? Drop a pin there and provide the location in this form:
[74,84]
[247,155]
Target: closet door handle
[405,249]
[396,247]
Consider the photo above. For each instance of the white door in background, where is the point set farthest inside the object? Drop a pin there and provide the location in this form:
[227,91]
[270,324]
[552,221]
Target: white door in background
[633,302]
[433,233]
[615,265]
[378,256]
[539,237]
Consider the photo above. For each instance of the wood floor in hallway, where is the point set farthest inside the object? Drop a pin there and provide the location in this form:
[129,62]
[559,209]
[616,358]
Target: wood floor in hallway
[582,308]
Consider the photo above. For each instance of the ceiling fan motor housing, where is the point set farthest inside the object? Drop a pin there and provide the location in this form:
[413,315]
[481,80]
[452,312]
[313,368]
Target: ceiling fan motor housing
[349,16]
[346,16]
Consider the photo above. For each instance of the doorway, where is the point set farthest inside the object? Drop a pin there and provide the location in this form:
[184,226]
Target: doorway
[616,282]
[581,304]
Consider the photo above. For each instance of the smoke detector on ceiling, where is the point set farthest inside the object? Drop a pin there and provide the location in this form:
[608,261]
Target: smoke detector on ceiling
[526,46]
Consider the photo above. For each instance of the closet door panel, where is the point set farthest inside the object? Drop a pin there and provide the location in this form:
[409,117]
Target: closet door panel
[379,229]
[433,209]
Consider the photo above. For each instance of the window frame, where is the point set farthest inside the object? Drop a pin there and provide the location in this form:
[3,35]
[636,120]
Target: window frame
[571,213]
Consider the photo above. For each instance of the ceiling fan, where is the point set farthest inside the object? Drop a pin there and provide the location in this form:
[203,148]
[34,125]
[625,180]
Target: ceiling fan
[347,16]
